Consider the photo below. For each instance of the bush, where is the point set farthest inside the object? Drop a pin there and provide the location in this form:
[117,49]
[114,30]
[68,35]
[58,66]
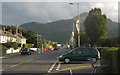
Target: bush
[11,45]
[14,45]
[118,60]
[28,45]
[109,56]
[4,49]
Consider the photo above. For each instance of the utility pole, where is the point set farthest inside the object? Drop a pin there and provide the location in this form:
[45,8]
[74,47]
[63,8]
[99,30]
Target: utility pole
[78,22]
[78,25]
[17,33]
[37,44]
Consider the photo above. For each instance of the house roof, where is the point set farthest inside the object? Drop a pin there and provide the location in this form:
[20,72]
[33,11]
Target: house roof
[6,33]
[20,35]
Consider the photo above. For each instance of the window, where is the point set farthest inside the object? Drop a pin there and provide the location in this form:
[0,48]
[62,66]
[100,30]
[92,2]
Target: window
[86,51]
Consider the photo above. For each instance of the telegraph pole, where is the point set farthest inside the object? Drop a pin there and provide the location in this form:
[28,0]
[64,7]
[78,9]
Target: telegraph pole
[78,22]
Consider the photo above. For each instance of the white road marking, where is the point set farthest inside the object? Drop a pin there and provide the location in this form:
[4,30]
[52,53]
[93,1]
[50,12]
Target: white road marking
[2,57]
[29,60]
[71,72]
[1,70]
[51,68]
[21,63]
[14,65]
[58,67]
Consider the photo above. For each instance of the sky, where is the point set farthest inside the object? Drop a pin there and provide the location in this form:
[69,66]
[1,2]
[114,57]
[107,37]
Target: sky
[16,12]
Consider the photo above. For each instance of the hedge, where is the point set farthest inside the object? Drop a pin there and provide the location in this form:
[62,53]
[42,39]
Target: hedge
[109,56]
[4,49]
[28,45]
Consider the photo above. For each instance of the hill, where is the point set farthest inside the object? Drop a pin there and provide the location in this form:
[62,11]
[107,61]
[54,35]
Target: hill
[61,30]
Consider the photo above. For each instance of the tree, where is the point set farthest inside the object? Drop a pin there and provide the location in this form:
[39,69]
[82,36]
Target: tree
[31,36]
[95,25]
[10,44]
[84,38]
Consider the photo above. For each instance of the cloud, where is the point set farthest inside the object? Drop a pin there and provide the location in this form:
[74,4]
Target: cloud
[32,11]
[44,12]
[0,12]
[110,9]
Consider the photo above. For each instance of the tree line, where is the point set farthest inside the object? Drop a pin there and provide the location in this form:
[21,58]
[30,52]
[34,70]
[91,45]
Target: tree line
[31,36]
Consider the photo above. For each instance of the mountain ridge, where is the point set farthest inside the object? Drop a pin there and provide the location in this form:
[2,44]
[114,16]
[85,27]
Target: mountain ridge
[61,30]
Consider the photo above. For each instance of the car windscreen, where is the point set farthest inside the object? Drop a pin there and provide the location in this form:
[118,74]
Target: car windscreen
[25,49]
[75,50]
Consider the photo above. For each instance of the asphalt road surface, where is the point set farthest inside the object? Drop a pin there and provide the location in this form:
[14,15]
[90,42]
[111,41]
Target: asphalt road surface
[46,63]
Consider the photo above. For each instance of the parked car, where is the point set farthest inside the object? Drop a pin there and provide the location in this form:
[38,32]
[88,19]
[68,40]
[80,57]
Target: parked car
[33,49]
[25,51]
[80,54]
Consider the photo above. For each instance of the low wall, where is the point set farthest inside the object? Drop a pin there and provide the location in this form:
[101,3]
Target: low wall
[11,50]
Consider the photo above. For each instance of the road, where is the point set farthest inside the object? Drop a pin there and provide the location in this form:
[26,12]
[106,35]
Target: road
[45,63]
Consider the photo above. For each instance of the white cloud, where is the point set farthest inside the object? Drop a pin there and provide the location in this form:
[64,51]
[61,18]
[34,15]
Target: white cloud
[60,0]
[97,5]
[0,12]
[44,12]
[110,9]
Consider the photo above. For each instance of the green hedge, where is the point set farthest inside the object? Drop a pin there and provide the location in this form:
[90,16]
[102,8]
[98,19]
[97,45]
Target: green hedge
[11,45]
[119,60]
[28,45]
[4,49]
[109,56]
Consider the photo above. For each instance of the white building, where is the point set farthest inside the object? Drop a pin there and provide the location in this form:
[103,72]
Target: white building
[20,39]
[6,36]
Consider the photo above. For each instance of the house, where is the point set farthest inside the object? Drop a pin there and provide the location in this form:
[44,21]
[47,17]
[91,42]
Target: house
[20,38]
[6,36]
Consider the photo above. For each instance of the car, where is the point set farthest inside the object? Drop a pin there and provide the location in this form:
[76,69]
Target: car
[25,51]
[81,54]
[33,49]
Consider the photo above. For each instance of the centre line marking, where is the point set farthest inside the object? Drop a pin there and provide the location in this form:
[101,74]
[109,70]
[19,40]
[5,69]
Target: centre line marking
[71,72]
[21,63]
[14,65]
[51,68]
[29,60]
[58,67]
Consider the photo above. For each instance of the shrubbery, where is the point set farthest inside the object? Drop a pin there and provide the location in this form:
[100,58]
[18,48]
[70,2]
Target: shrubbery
[28,45]
[109,56]
[11,45]
[4,49]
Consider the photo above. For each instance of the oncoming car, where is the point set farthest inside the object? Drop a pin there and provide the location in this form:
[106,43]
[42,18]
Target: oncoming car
[80,54]
[25,51]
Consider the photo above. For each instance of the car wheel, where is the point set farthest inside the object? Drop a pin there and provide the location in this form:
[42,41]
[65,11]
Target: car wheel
[21,54]
[28,53]
[67,60]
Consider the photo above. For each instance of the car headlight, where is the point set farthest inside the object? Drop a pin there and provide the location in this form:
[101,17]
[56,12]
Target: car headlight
[61,56]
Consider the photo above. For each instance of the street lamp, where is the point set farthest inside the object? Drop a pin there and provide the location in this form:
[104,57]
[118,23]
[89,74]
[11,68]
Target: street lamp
[78,22]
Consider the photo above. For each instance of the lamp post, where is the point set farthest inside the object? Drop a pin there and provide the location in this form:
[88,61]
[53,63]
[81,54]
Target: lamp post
[78,22]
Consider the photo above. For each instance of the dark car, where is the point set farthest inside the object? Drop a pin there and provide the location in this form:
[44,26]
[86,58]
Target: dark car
[25,51]
[80,54]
